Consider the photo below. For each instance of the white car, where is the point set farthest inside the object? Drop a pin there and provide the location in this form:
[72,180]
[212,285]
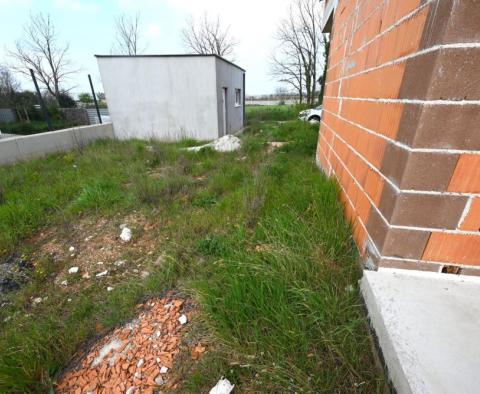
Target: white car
[313,115]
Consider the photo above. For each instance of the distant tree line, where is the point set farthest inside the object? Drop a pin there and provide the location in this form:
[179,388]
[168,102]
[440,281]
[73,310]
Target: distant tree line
[297,63]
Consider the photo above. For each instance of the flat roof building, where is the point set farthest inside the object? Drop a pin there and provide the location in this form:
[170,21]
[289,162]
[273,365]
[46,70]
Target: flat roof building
[170,97]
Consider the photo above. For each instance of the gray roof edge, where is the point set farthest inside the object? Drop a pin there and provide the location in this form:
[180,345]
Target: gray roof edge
[328,12]
[175,55]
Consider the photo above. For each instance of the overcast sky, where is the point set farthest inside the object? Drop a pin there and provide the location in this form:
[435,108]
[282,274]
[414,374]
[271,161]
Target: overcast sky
[89,27]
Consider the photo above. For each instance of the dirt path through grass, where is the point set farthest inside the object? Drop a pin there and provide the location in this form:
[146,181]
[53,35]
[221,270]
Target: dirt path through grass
[255,238]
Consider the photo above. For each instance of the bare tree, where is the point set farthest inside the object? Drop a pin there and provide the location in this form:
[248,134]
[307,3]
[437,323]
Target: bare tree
[207,36]
[39,50]
[8,84]
[128,35]
[301,42]
[288,70]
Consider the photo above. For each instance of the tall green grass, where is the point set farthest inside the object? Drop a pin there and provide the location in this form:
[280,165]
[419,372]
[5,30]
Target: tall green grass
[273,113]
[290,306]
[256,237]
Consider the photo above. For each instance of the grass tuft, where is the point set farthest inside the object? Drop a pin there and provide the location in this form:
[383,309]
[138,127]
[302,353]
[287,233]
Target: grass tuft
[98,195]
[212,245]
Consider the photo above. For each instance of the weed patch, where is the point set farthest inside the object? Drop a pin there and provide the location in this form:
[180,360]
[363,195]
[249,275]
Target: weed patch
[257,237]
[204,199]
[212,245]
[98,195]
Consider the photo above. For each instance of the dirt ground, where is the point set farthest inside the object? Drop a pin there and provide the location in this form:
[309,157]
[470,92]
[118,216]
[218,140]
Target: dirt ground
[95,248]
[142,356]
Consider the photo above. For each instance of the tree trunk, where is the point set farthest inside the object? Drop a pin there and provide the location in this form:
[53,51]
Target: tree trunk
[26,114]
[324,78]
[19,114]
[308,86]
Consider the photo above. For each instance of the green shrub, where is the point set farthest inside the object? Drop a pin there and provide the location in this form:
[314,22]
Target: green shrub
[34,127]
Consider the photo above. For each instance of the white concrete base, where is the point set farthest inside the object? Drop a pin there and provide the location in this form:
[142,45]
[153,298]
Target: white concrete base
[27,147]
[428,328]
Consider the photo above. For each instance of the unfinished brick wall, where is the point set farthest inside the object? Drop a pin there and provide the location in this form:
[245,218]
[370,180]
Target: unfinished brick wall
[401,130]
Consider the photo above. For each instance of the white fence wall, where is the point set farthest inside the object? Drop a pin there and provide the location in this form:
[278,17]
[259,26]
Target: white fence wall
[37,145]
[7,115]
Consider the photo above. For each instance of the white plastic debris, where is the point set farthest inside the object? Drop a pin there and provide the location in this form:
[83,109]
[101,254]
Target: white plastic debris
[227,143]
[183,319]
[64,283]
[126,234]
[159,380]
[71,249]
[73,270]
[119,263]
[163,370]
[140,363]
[37,300]
[223,386]
[131,390]
[109,288]
[103,273]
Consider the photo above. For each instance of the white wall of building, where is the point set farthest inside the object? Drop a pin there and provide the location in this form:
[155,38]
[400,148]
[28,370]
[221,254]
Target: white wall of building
[166,98]
[230,77]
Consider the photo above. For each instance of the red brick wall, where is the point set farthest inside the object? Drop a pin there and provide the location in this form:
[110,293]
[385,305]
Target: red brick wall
[401,130]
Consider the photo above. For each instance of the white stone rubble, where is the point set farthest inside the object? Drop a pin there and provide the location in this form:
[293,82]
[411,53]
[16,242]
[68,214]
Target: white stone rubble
[227,143]
[126,235]
[103,273]
[183,319]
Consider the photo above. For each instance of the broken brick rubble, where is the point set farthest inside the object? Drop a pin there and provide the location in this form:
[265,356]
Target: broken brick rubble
[136,357]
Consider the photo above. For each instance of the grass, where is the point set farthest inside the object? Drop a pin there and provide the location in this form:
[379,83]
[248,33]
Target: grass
[256,237]
[258,113]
